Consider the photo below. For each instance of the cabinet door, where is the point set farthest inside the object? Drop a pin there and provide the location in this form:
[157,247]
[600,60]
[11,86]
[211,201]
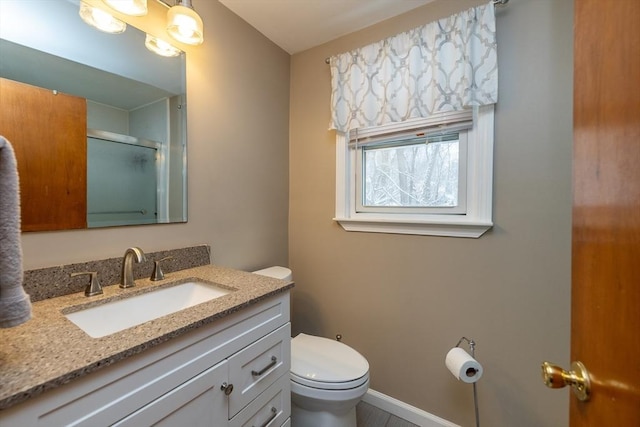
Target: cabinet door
[197,403]
[48,132]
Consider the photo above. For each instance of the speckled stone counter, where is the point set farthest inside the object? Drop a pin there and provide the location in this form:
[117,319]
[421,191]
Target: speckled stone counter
[52,282]
[49,350]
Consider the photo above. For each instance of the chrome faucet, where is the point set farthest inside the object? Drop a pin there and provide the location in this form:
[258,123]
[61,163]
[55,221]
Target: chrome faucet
[127,266]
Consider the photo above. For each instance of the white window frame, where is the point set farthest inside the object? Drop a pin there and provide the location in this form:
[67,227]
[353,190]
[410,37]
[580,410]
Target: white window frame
[479,198]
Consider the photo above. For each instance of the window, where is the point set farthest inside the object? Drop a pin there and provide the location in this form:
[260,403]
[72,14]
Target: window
[428,176]
[420,174]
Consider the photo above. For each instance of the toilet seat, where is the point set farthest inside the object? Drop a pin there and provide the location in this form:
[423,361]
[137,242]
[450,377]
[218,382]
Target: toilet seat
[326,364]
[329,386]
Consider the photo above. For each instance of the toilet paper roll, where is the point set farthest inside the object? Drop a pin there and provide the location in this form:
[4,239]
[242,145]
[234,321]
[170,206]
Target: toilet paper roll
[463,366]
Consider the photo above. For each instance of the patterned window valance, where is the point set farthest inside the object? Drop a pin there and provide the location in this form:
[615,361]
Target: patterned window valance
[446,65]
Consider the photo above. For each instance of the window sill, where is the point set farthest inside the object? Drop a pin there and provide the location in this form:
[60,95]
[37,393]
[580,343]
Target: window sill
[461,227]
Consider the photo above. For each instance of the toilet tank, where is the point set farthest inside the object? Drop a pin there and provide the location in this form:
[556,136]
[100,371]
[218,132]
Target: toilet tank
[276,272]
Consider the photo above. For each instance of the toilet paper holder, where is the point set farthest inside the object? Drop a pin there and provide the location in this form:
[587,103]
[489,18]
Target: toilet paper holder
[471,372]
[472,344]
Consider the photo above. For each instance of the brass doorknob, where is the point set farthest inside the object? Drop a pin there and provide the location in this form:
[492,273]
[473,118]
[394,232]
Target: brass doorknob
[578,378]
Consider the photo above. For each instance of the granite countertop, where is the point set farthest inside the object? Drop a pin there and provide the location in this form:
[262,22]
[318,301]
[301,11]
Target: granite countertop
[49,351]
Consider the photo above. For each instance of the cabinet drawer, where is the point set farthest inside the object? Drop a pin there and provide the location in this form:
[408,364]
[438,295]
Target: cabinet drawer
[272,408]
[253,369]
[287,423]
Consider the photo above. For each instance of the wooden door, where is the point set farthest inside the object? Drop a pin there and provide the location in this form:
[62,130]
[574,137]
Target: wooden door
[48,132]
[606,211]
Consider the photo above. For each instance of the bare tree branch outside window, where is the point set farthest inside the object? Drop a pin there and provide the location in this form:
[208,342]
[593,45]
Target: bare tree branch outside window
[420,175]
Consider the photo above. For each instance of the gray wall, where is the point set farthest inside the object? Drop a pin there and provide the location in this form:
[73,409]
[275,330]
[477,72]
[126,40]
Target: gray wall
[238,118]
[403,301]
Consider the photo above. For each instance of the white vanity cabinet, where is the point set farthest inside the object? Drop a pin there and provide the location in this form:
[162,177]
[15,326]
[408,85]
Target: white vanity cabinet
[231,372]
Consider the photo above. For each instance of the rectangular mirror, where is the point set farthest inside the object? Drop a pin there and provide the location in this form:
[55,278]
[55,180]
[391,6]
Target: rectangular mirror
[135,131]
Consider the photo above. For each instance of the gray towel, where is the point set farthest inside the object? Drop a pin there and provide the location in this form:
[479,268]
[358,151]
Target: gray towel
[15,305]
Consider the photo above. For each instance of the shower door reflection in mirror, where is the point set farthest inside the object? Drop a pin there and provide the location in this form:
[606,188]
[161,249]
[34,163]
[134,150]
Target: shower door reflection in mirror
[121,182]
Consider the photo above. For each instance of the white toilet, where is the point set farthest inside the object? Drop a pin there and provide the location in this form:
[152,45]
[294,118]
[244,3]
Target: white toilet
[328,378]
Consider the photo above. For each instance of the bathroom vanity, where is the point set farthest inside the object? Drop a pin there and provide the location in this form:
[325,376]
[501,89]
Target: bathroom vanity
[224,362]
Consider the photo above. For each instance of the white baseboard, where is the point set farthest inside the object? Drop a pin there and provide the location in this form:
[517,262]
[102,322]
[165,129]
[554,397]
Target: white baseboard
[405,411]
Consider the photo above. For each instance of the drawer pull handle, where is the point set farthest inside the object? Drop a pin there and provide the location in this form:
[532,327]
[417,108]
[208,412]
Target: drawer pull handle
[274,360]
[274,414]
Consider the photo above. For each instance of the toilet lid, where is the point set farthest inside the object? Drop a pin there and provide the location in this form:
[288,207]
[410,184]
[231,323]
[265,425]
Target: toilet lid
[276,272]
[317,360]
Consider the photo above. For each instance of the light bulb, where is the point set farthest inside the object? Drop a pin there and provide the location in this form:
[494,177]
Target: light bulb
[100,19]
[128,7]
[185,25]
[161,47]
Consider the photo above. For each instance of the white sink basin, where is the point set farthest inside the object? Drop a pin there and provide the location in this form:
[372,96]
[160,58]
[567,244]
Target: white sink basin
[115,316]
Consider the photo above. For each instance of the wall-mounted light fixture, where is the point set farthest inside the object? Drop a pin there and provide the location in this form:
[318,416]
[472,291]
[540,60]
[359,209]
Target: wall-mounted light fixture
[184,24]
[128,7]
[161,47]
[100,19]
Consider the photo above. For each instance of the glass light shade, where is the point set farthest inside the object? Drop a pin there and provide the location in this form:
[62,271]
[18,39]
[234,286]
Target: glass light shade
[100,19]
[161,47]
[185,25]
[128,7]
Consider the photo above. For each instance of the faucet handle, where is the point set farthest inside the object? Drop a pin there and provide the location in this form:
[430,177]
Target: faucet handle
[157,270]
[94,287]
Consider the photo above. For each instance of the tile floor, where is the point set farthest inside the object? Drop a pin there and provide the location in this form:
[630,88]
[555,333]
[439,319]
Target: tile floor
[370,416]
